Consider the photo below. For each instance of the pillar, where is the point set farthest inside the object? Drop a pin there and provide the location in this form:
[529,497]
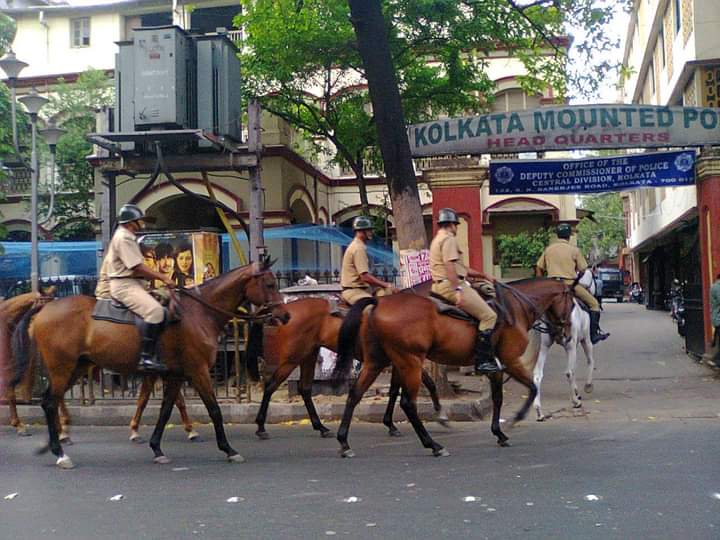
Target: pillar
[708,204]
[456,184]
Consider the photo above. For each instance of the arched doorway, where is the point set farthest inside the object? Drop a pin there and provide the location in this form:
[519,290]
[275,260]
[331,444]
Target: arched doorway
[305,254]
[182,212]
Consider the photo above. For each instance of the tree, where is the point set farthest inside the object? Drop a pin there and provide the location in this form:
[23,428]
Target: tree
[74,106]
[523,249]
[601,239]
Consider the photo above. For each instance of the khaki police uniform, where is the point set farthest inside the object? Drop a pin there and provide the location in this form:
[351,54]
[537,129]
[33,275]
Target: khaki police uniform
[444,248]
[123,255]
[354,264]
[102,289]
[563,261]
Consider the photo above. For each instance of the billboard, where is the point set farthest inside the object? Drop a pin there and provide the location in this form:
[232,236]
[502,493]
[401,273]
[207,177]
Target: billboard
[592,175]
[188,258]
[568,128]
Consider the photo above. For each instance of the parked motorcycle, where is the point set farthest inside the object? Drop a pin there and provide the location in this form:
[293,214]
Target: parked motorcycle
[677,305]
[636,293]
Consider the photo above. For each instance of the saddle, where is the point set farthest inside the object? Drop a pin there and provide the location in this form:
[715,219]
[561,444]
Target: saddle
[111,310]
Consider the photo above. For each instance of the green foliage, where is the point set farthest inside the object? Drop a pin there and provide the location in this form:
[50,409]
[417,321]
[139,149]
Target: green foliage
[522,249]
[601,239]
[7,33]
[75,105]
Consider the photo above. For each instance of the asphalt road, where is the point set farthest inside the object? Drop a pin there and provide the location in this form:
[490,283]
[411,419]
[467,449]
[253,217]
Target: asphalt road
[640,462]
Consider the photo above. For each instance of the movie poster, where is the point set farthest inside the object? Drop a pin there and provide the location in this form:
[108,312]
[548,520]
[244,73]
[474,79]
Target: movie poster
[188,258]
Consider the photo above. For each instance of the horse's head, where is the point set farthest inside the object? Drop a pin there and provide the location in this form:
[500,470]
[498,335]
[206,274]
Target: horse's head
[559,314]
[261,290]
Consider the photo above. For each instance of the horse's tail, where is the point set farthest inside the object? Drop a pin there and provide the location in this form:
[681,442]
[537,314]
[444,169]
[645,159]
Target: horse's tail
[347,337]
[22,346]
[254,350]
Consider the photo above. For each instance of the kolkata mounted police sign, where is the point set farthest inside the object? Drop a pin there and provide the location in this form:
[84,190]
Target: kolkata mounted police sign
[658,169]
[568,128]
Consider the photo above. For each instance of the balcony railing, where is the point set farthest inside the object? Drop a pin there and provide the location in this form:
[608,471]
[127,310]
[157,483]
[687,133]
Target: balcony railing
[15,181]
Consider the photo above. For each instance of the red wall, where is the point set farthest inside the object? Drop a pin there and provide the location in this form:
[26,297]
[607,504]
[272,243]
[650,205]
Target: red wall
[466,202]
[708,194]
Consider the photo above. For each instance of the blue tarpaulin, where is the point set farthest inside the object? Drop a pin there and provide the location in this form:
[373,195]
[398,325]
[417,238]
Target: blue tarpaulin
[297,247]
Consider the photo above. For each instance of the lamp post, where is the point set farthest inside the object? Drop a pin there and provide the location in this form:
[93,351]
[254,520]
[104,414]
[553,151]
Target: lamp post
[12,68]
[51,134]
[33,103]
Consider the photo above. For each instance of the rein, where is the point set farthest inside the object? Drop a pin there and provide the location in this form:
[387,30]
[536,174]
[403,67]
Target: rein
[262,314]
[524,300]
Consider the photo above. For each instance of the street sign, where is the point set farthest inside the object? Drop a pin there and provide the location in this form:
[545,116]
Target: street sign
[598,174]
[568,128]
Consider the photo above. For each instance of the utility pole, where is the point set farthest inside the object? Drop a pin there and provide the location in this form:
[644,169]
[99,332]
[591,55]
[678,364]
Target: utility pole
[108,210]
[257,195]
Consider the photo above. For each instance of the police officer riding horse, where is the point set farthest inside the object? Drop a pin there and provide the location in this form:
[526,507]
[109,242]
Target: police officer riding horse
[449,281]
[563,261]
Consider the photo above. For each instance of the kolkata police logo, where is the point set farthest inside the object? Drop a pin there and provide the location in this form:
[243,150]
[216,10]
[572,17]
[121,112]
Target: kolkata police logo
[504,175]
[684,162]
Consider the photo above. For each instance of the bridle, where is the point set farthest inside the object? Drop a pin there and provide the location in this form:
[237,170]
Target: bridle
[555,329]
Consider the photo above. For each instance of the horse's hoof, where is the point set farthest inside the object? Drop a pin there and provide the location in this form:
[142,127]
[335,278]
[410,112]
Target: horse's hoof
[22,432]
[347,453]
[136,438]
[394,432]
[577,405]
[64,462]
[162,460]
[262,435]
[589,388]
[66,440]
[326,434]
[541,418]
[194,436]
[504,444]
[444,422]
[236,458]
[441,452]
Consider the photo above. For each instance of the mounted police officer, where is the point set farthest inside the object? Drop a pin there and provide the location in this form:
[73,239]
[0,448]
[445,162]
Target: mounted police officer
[561,260]
[355,277]
[448,275]
[125,270]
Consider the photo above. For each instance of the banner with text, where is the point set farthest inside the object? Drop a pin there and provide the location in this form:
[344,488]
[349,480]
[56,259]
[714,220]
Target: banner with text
[660,169]
[568,128]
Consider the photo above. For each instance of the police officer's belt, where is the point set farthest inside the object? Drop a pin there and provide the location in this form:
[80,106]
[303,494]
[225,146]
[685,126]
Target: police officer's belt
[441,280]
[361,288]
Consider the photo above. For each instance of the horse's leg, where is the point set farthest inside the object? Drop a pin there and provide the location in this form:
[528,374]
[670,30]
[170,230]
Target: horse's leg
[15,421]
[148,383]
[388,418]
[202,383]
[64,422]
[588,349]
[192,435]
[172,387]
[518,372]
[538,373]
[307,373]
[441,414]
[278,377]
[57,386]
[571,351]
[368,373]
[410,378]
[496,391]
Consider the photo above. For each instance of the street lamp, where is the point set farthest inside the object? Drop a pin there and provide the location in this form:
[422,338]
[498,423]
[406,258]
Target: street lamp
[51,134]
[33,103]
[12,68]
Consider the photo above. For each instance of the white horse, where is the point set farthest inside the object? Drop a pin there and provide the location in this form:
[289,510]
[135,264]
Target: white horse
[541,341]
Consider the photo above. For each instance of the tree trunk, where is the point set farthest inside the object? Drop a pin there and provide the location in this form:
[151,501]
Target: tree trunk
[372,40]
[359,170]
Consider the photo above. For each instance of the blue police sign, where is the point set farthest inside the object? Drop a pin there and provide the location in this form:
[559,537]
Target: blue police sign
[593,175]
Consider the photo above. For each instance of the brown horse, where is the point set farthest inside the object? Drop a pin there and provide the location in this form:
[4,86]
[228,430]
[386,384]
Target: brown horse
[68,339]
[312,325]
[404,329]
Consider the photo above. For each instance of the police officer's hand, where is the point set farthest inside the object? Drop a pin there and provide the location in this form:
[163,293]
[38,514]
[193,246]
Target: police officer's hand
[459,301]
[393,289]
[168,282]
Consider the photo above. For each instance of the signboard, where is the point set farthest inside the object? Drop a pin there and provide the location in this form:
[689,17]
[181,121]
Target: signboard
[568,128]
[414,267]
[661,169]
[188,258]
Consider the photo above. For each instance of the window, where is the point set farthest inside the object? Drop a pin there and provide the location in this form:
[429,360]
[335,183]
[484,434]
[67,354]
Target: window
[80,32]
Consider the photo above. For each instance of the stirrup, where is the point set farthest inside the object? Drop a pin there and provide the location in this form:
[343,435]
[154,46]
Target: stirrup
[488,367]
[151,365]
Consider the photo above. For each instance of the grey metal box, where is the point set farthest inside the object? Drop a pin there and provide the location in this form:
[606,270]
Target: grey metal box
[124,91]
[164,78]
[218,90]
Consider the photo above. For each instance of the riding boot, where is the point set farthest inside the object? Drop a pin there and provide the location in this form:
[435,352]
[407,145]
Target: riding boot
[149,362]
[595,333]
[484,354]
